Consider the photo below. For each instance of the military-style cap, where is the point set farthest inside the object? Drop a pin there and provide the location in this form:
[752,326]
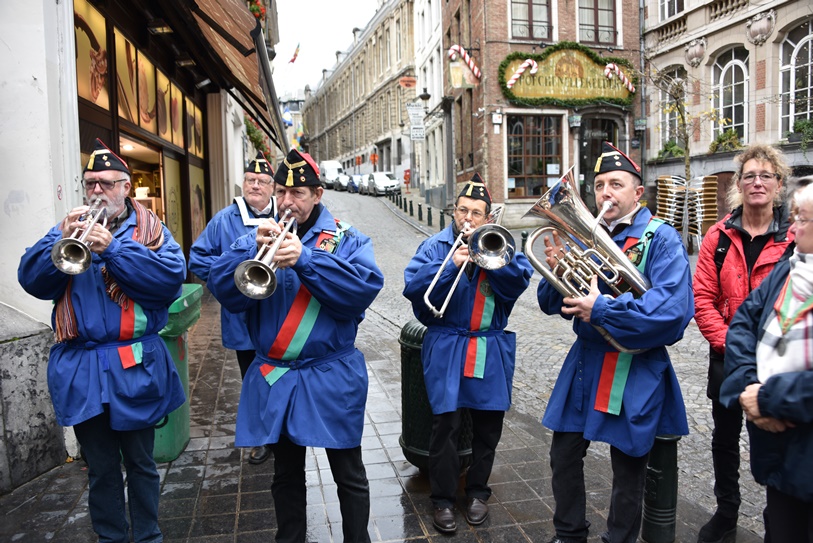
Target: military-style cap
[612,160]
[297,170]
[102,158]
[476,190]
[260,165]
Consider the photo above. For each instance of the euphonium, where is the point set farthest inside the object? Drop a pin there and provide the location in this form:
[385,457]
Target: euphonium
[71,255]
[256,278]
[589,249]
[491,246]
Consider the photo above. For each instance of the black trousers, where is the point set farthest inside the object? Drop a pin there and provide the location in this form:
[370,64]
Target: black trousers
[567,453]
[244,360]
[790,520]
[725,442]
[290,494]
[444,462]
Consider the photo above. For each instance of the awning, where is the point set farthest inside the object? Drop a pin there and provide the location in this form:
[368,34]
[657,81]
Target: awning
[235,38]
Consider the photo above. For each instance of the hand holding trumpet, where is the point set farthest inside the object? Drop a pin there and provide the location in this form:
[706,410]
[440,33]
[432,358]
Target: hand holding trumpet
[289,249]
[98,238]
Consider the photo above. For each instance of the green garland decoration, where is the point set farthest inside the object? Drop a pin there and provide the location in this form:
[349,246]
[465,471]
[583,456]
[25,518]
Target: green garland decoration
[575,102]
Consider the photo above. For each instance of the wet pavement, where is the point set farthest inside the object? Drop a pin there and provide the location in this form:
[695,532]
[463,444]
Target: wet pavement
[210,493]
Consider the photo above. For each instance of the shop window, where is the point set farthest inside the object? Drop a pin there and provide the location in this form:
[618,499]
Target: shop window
[534,154]
[796,73]
[530,20]
[92,74]
[731,92]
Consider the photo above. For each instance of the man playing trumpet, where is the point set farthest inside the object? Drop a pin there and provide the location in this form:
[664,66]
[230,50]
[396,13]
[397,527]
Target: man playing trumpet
[467,355]
[110,375]
[237,219]
[623,399]
[307,385]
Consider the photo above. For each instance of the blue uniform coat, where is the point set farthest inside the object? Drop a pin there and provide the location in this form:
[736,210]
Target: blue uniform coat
[777,459]
[223,230]
[652,403]
[443,353]
[86,373]
[320,401]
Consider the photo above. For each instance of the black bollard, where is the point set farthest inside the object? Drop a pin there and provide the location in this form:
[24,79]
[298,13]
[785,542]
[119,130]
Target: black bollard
[411,213]
[442,220]
[420,212]
[524,240]
[398,201]
[428,215]
[660,492]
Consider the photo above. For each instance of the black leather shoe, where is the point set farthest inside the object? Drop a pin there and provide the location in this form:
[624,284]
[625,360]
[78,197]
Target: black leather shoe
[720,529]
[443,520]
[557,539]
[476,511]
[259,454]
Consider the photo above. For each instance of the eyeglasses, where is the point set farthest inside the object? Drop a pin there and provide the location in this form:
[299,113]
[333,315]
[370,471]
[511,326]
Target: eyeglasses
[749,178]
[463,211]
[800,221]
[261,182]
[90,184]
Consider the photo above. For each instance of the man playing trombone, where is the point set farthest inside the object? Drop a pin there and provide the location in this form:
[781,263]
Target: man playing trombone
[467,355]
[307,385]
[621,398]
[110,375]
[239,218]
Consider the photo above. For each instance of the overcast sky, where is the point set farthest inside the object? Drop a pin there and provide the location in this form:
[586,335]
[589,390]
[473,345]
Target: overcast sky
[321,27]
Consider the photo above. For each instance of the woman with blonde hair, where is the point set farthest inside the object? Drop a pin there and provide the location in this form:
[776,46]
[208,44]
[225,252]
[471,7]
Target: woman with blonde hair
[737,253]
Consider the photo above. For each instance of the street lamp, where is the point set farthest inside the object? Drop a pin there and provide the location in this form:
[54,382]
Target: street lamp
[425,96]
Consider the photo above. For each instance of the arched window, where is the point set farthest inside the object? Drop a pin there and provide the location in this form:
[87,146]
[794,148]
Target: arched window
[668,81]
[797,76]
[731,92]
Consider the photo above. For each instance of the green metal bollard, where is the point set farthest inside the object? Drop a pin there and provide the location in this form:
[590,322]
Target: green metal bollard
[524,240]
[428,215]
[420,212]
[660,491]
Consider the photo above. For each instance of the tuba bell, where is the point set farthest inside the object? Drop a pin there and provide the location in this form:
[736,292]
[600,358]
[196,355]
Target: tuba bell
[72,255]
[589,249]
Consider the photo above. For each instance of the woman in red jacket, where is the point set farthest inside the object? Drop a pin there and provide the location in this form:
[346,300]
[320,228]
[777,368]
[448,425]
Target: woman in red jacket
[737,253]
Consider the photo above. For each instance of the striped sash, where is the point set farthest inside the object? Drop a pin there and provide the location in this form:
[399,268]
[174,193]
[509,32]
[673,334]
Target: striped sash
[481,318]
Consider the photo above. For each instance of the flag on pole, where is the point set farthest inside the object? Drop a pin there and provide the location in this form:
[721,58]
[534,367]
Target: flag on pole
[296,53]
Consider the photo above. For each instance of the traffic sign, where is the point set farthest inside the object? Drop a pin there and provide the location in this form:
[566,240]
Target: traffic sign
[417,133]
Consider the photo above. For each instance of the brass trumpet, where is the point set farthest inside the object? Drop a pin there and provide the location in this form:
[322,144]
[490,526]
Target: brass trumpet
[589,250]
[256,278]
[72,255]
[491,246]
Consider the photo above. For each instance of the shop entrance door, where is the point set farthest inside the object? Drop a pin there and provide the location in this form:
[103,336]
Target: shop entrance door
[593,133]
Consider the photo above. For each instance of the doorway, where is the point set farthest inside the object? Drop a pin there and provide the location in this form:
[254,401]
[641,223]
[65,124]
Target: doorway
[593,133]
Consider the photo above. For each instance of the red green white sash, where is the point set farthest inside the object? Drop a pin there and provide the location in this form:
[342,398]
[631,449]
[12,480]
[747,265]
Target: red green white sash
[481,318]
[615,368]
[294,333]
[133,325]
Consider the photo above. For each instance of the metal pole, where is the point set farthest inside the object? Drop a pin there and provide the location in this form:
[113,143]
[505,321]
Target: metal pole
[446,104]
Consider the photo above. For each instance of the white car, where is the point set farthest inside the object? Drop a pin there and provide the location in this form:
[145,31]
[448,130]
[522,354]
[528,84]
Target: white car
[379,183]
[340,183]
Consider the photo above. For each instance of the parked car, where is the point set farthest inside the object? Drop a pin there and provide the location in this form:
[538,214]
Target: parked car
[354,183]
[379,183]
[340,183]
[362,182]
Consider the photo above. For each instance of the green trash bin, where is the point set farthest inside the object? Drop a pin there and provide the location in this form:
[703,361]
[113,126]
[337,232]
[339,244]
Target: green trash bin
[416,413]
[172,433]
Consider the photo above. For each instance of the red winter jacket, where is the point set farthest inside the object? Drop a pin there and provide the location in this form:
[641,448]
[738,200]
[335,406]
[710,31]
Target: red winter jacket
[715,302]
